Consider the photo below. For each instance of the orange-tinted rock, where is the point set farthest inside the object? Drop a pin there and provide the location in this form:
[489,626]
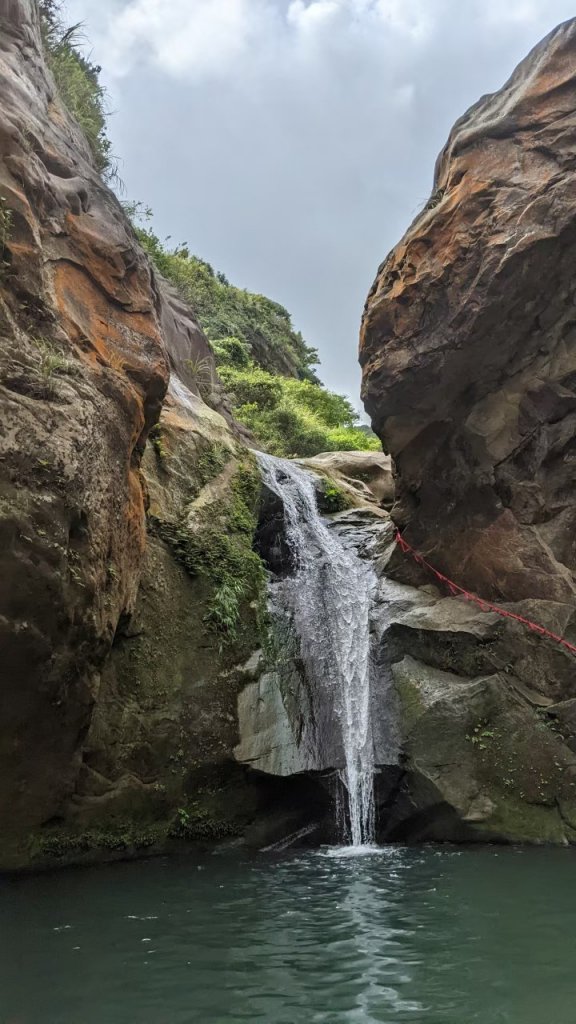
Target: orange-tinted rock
[87,336]
[468,342]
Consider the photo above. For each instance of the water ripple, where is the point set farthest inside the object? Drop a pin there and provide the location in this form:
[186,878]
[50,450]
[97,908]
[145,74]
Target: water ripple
[422,936]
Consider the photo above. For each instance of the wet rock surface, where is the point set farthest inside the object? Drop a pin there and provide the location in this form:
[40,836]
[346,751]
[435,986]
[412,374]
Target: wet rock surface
[83,372]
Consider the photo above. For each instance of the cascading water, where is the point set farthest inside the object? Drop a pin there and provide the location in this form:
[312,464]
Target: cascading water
[329,600]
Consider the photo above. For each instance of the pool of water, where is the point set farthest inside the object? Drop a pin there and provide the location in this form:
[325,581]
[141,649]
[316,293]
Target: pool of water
[429,936]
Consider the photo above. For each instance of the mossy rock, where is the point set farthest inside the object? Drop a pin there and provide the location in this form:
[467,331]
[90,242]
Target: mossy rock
[214,539]
[331,498]
[474,746]
[68,846]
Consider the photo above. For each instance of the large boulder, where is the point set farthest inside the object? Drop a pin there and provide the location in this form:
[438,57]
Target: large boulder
[480,763]
[365,476]
[467,342]
[486,742]
[469,375]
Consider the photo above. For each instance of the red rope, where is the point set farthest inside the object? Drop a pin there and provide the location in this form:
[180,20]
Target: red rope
[486,606]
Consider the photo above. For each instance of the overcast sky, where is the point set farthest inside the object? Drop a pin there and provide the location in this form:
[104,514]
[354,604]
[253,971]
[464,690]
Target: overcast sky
[290,142]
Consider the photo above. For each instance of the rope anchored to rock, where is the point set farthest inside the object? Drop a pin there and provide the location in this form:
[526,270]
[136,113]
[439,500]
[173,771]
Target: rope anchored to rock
[485,606]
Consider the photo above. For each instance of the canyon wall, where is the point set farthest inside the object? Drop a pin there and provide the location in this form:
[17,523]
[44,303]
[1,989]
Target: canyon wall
[468,349]
[132,611]
[91,722]
[468,342]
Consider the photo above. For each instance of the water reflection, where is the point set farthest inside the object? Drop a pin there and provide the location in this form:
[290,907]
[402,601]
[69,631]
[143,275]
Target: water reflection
[426,936]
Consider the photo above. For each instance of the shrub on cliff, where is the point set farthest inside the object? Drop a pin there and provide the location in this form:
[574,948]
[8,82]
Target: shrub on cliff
[292,417]
[263,326]
[231,351]
[77,83]
[264,364]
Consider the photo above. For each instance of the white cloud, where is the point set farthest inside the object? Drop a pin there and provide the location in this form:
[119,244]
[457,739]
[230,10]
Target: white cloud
[520,12]
[290,142]
[211,38]
[195,38]
[308,16]
[407,17]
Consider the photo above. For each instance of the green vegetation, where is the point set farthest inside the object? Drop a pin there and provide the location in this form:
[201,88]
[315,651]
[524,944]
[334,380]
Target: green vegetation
[212,461]
[65,844]
[435,199]
[158,444]
[411,704]
[264,362]
[39,377]
[5,231]
[480,735]
[218,547]
[292,417]
[228,313]
[332,498]
[196,822]
[200,369]
[5,223]
[77,83]
[222,551]
[50,360]
[193,822]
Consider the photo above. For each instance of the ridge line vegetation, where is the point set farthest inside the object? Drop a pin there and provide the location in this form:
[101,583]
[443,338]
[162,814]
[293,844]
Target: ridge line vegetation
[265,365]
[77,82]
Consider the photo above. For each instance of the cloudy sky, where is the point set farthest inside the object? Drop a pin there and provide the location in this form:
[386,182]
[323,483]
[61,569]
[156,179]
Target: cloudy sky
[290,142]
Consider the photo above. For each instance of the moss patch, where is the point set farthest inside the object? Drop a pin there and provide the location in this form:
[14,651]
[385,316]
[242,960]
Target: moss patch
[211,462]
[332,498]
[525,823]
[159,445]
[214,540]
[67,845]
[411,704]
[195,822]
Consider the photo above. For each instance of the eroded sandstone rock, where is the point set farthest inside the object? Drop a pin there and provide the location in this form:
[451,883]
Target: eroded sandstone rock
[364,475]
[88,334]
[468,342]
[469,375]
[481,764]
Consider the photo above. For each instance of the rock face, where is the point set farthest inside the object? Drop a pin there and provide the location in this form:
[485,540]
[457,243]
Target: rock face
[82,376]
[468,342]
[164,724]
[487,745]
[469,374]
[88,336]
[128,508]
[363,475]
[131,606]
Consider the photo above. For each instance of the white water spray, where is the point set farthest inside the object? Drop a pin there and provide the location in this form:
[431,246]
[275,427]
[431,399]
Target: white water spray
[329,599]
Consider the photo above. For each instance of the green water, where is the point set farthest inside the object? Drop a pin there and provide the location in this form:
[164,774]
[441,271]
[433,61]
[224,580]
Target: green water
[429,936]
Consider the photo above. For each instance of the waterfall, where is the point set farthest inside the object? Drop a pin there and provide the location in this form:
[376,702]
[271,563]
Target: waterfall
[328,598]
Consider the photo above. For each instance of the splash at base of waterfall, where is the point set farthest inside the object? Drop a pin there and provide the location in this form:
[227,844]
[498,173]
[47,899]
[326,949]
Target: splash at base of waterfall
[367,850]
[328,598]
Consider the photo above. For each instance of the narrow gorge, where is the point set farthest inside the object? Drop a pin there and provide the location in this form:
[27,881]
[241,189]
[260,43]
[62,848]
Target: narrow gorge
[208,631]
